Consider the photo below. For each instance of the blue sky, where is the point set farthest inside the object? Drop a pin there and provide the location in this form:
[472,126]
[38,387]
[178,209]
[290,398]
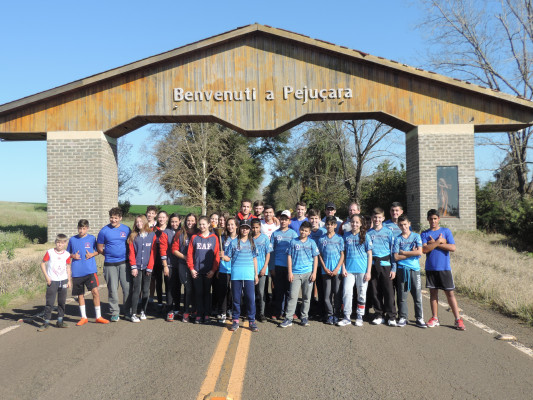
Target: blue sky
[48,44]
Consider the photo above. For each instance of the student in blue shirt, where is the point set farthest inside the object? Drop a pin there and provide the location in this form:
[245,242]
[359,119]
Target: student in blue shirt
[243,256]
[264,248]
[280,240]
[383,270]
[111,243]
[318,292]
[437,243]
[302,261]
[223,276]
[356,269]
[407,251]
[331,258]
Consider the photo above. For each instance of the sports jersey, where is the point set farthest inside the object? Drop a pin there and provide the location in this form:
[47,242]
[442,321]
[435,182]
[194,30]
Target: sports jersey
[302,255]
[295,224]
[330,250]
[142,251]
[408,244]
[242,260]
[393,227]
[437,259]
[203,254]
[82,245]
[56,264]
[181,244]
[263,246]
[225,266]
[268,229]
[114,240]
[316,235]
[165,250]
[280,242]
[355,254]
[382,242]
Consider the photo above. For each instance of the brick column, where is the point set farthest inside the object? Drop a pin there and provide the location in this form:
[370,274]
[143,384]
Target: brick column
[430,146]
[82,180]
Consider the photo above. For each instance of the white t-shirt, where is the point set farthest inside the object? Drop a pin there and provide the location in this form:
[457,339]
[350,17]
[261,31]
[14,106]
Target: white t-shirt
[56,264]
[267,229]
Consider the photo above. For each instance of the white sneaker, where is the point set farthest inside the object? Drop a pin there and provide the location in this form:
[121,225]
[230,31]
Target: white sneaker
[344,322]
[402,322]
[392,322]
[135,318]
[377,321]
[359,322]
[143,315]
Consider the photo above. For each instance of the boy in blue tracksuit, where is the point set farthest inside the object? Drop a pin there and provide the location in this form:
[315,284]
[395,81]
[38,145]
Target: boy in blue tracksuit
[302,261]
[383,270]
[407,251]
[280,240]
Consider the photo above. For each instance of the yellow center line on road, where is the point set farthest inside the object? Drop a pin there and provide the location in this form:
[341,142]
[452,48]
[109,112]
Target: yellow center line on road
[225,374]
[239,365]
[215,365]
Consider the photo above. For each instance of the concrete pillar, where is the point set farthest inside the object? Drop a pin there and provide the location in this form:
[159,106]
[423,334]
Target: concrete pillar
[82,180]
[432,146]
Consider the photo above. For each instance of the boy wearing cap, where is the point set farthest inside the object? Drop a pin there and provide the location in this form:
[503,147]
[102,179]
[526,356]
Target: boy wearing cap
[280,240]
[330,211]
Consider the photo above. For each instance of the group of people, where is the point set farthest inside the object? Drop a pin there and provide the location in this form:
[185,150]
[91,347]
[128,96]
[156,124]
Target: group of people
[224,266]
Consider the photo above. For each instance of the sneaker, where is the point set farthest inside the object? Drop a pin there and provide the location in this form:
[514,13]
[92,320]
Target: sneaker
[219,317]
[143,315]
[234,325]
[344,322]
[304,322]
[261,318]
[402,322]
[330,320]
[377,321]
[222,319]
[253,326]
[335,319]
[433,322]
[205,319]
[115,318]
[286,323]
[101,320]
[170,317]
[359,321]
[294,316]
[82,322]
[275,317]
[392,322]
[198,320]
[44,327]
[420,323]
[61,324]
[459,324]
[185,318]
[135,318]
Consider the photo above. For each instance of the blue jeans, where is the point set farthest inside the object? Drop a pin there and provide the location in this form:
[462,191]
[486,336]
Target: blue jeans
[237,288]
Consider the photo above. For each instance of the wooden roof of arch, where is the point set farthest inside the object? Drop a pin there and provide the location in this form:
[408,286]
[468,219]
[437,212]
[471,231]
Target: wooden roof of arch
[266,60]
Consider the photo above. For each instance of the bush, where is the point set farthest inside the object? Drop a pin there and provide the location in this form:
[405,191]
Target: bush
[125,207]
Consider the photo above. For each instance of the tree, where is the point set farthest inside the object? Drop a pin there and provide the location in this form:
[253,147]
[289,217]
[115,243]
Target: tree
[128,171]
[489,43]
[208,165]
[386,185]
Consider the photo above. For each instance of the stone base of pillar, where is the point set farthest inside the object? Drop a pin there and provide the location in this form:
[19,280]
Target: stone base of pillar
[432,146]
[82,180]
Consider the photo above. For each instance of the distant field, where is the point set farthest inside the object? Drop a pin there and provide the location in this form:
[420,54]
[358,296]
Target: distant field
[181,210]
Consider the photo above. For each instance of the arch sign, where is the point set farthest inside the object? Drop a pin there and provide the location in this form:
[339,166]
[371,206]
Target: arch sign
[261,81]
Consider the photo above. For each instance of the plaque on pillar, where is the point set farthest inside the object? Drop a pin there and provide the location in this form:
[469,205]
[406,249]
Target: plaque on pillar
[448,191]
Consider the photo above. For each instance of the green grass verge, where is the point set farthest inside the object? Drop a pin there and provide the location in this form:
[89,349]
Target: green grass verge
[169,208]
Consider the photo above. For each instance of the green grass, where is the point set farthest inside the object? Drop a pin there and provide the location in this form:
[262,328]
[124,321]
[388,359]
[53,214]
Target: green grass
[169,208]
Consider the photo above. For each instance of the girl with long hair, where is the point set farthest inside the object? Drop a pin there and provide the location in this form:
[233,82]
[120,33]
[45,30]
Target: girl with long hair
[170,266]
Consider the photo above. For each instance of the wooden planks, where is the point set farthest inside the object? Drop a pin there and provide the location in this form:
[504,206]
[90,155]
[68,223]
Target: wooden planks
[262,61]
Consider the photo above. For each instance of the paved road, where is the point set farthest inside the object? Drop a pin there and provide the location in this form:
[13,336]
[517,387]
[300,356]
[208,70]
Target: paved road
[160,360]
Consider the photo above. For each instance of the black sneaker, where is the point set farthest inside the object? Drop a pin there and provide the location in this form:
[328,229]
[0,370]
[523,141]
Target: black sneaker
[61,324]
[44,327]
[261,318]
